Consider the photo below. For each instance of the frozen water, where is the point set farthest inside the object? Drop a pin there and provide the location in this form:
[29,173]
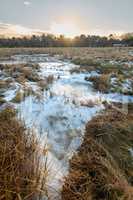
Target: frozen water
[61,114]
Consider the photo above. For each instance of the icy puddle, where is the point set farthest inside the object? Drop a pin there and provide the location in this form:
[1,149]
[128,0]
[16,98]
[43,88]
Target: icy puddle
[60,113]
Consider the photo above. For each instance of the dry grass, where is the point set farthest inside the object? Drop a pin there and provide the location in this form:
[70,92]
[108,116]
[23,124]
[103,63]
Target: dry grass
[112,53]
[85,62]
[107,68]
[101,83]
[101,169]
[113,131]
[2,100]
[4,84]
[30,74]
[22,176]
[83,68]
[104,83]
[50,79]
[22,94]
[18,98]
[22,72]
[44,83]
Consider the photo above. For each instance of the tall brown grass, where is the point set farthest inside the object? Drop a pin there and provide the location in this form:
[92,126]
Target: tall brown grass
[22,173]
[96,170]
[101,83]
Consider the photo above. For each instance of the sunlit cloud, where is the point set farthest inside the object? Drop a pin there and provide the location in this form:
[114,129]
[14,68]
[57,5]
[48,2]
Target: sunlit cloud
[27,3]
[66,29]
[11,30]
[103,32]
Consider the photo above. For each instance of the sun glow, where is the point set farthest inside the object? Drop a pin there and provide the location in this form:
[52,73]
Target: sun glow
[67,29]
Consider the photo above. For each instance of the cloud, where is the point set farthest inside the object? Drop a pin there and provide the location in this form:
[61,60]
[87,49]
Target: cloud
[13,30]
[27,3]
[103,32]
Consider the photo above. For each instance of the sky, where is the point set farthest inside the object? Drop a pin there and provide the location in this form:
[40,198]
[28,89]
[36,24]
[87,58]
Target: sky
[68,17]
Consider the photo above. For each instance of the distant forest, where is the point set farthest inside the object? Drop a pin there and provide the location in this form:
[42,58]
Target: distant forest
[61,41]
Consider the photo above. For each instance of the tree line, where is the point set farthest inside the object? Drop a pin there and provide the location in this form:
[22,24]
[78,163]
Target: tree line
[61,41]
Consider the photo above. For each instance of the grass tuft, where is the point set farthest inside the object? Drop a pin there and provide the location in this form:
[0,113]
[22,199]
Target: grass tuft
[102,168]
[101,83]
[22,175]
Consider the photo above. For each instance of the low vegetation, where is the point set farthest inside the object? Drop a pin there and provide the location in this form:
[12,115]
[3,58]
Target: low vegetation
[23,76]
[18,98]
[85,62]
[2,101]
[102,168]
[4,84]
[21,72]
[112,83]
[101,83]
[44,83]
[100,54]
[22,175]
